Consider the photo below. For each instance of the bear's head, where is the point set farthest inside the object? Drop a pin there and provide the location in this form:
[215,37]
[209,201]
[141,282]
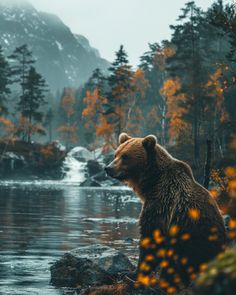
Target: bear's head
[131,157]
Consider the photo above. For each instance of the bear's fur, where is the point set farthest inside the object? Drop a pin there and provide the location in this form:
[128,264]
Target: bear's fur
[180,224]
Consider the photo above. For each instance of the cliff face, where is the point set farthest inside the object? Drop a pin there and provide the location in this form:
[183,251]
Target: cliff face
[63,58]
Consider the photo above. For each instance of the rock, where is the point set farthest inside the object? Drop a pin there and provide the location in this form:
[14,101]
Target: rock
[89,266]
[81,154]
[58,145]
[101,176]
[90,182]
[11,163]
[220,276]
[94,167]
[99,179]
[105,180]
[99,155]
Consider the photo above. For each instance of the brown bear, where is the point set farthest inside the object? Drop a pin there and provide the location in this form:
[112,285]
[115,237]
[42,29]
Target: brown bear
[180,224]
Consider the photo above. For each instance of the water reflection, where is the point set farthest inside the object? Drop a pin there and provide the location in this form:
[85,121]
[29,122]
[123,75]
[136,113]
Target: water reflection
[38,223]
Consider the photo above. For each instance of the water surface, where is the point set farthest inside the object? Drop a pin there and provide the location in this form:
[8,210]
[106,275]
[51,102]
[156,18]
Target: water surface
[42,220]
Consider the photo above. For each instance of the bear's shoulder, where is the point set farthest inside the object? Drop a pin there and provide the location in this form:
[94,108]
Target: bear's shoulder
[181,166]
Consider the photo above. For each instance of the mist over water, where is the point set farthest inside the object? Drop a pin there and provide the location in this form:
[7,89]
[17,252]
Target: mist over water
[40,221]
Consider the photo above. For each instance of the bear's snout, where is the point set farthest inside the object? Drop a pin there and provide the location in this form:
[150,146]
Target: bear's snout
[113,170]
[109,170]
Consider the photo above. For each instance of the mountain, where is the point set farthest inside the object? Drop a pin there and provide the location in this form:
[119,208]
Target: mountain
[63,58]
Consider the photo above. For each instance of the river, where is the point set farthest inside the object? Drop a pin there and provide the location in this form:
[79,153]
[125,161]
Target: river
[40,221]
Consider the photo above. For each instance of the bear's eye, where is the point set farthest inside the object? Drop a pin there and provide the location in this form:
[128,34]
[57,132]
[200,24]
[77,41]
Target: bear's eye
[125,157]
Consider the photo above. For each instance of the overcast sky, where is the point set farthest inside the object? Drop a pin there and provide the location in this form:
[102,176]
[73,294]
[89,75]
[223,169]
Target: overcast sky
[109,23]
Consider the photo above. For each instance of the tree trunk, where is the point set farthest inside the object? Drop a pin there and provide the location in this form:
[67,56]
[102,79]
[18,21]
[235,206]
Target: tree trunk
[208,164]
[196,140]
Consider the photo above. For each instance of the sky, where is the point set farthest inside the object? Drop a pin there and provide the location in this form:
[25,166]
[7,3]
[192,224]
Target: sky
[109,23]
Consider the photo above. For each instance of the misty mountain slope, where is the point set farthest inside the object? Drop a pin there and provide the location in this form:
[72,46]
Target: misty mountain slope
[64,59]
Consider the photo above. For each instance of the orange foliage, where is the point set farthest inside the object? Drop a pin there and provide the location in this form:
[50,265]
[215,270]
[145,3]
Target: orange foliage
[175,112]
[139,82]
[216,87]
[68,102]
[7,128]
[95,120]
[27,128]
[232,144]
[47,151]
[68,133]
[94,102]
[105,130]
[161,55]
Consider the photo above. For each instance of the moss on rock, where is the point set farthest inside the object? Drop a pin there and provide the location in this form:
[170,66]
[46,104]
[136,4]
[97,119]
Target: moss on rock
[220,276]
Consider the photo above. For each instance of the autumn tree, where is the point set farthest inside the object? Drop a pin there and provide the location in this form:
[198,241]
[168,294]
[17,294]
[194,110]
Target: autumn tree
[68,130]
[95,111]
[95,120]
[7,128]
[135,113]
[215,110]
[178,127]
[153,63]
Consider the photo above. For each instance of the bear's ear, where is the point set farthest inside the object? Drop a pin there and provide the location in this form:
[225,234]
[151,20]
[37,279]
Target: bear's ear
[149,142]
[123,138]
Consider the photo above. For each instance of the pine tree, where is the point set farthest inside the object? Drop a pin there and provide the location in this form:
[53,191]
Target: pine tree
[33,98]
[187,65]
[22,61]
[120,83]
[5,82]
[97,80]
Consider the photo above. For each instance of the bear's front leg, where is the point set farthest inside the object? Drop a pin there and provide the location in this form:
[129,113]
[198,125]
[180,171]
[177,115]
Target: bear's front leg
[149,261]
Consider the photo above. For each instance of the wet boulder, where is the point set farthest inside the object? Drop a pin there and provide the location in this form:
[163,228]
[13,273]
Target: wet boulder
[94,167]
[90,182]
[105,180]
[11,163]
[81,154]
[89,266]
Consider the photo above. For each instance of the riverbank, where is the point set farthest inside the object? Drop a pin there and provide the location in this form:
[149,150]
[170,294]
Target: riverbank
[22,160]
[33,161]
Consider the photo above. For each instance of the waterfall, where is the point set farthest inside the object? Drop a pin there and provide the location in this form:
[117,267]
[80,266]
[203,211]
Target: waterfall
[75,164]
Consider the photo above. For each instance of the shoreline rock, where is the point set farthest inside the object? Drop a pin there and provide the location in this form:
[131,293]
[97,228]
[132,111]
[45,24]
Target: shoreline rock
[88,266]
